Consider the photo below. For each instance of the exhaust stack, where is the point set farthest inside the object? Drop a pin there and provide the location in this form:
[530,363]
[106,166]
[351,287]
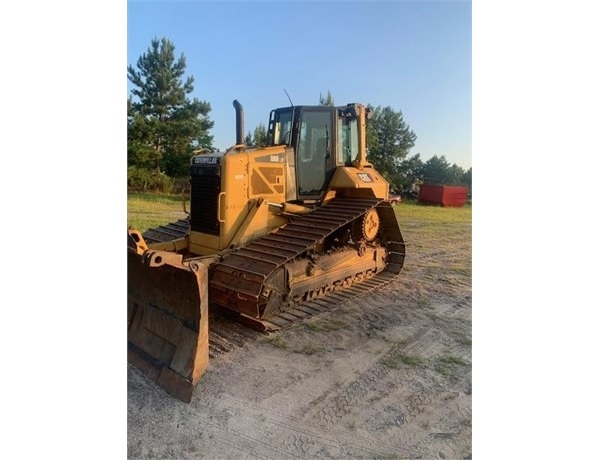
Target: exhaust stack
[239,122]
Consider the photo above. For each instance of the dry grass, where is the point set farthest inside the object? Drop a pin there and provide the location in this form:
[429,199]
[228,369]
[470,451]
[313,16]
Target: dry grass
[396,360]
[326,324]
[276,340]
[309,348]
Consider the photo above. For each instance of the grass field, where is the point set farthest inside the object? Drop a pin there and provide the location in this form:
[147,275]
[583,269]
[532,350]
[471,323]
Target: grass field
[145,210]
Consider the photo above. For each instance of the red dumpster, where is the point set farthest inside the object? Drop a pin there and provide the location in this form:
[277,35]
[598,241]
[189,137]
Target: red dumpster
[448,196]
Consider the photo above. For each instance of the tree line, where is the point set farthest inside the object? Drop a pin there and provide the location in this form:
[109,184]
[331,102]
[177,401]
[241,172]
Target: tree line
[165,127]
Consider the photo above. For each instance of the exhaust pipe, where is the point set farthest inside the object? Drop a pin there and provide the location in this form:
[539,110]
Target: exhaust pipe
[239,122]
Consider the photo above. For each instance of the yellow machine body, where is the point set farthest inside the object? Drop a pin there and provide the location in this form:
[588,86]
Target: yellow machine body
[270,228]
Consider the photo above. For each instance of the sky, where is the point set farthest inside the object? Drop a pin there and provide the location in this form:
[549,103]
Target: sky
[414,56]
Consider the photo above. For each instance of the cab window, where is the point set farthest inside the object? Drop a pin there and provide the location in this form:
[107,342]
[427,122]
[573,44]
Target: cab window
[348,140]
[280,127]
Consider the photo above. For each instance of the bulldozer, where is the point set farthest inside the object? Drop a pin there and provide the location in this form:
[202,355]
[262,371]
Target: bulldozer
[271,231]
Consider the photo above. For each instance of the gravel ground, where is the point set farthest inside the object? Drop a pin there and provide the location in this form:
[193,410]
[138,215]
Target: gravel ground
[384,376]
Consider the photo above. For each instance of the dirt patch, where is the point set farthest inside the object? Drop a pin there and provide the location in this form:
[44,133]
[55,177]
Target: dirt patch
[384,376]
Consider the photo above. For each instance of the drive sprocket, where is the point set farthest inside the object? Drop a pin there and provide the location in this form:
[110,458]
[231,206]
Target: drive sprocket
[366,227]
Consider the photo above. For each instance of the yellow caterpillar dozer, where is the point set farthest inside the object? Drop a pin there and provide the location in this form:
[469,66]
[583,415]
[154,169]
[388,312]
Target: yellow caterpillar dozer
[273,233]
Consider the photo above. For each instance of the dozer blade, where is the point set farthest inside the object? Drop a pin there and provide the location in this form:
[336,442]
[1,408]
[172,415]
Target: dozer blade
[167,324]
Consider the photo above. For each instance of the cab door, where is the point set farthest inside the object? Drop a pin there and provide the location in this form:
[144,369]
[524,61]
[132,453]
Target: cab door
[314,161]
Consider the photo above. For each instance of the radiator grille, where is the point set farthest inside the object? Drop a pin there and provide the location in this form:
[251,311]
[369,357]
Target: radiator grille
[203,207]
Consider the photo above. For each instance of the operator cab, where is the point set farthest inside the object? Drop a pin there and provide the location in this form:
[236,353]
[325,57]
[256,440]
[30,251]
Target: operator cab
[322,137]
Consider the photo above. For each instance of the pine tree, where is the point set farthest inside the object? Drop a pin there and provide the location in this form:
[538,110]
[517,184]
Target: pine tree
[260,135]
[389,139]
[164,126]
[326,100]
